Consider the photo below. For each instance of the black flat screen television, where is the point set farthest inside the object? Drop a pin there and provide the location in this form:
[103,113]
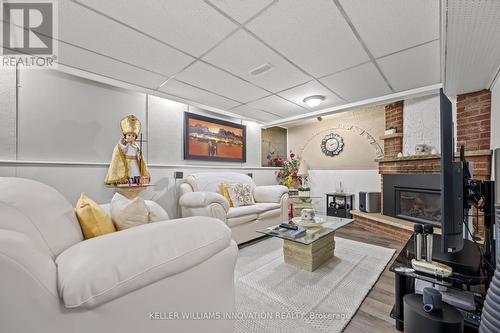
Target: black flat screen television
[452,184]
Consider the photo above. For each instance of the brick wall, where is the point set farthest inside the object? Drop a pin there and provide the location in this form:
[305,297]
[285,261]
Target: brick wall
[474,120]
[473,131]
[394,118]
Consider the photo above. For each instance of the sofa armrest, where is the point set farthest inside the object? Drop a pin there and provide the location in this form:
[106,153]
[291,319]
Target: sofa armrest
[21,259]
[203,199]
[269,193]
[104,268]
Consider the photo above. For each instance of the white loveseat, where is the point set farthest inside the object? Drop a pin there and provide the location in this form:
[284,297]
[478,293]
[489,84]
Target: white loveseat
[54,281]
[200,196]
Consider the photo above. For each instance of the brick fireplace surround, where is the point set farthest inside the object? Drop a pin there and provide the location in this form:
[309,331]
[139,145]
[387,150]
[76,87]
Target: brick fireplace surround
[473,131]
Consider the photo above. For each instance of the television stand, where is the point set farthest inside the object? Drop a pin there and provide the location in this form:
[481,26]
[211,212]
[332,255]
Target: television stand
[466,272]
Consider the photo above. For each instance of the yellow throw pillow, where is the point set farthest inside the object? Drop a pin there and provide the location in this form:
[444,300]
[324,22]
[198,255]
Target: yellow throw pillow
[93,220]
[225,193]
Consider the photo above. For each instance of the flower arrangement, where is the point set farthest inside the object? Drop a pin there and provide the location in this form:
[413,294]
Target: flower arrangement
[275,161]
[288,174]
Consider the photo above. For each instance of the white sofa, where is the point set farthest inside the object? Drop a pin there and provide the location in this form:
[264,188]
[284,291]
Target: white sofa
[54,281]
[199,196]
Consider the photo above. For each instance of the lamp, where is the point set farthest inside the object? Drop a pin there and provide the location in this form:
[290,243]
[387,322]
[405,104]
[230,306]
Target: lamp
[314,101]
[303,171]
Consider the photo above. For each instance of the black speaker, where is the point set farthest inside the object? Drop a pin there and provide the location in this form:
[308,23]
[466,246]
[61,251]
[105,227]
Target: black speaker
[369,202]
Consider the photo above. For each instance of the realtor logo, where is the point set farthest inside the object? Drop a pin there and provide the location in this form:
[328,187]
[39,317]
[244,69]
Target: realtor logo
[28,28]
[28,33]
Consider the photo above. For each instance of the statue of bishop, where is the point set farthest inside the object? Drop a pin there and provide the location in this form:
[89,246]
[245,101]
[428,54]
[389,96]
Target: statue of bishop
[127,163]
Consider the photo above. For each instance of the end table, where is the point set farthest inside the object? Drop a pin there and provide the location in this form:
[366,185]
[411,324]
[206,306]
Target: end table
[339,204]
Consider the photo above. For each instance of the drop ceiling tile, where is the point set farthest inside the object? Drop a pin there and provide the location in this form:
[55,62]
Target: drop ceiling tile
[190,93]
[277,106]
[190,25]
[413,68]
[242,53]
[259,115]
[315,37]
[392,25]
[472,45]
[220,82]
[241,10]
[298,94]
[115,40]
[358,83]
[97,64]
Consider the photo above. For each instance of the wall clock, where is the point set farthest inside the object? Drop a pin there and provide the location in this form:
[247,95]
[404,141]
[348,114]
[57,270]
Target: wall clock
[332,144]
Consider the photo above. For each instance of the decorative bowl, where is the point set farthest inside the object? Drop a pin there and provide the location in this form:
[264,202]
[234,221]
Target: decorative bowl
[314,223]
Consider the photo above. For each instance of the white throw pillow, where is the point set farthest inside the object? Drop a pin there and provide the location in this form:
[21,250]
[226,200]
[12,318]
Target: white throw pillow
[240,194]
[127,213]
[156,212]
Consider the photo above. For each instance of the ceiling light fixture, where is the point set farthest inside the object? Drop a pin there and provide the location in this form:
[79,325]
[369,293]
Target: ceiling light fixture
[314,101]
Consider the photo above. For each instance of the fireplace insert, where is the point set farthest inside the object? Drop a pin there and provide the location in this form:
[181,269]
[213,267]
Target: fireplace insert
[418,205]
[413,197]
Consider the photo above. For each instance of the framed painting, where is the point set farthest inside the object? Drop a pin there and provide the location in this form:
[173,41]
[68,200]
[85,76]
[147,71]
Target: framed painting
[210,139]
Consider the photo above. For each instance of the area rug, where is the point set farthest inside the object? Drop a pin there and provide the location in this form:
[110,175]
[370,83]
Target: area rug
[272,296]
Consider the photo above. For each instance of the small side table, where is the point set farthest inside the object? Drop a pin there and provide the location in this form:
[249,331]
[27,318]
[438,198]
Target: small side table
[339,204]
[301,202]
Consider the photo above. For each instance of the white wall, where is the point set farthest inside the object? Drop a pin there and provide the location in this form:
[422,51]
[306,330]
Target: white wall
[353,181]
[68,126]
[421,123]
[7,114]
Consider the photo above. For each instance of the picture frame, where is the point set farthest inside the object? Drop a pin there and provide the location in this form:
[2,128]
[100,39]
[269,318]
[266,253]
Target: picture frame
[212,139]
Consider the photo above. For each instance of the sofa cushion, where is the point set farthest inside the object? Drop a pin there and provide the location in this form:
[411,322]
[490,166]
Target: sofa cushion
[127,213]
[234,221]
[156,212]
[210,181]
[101,269]
[252,209]
[240,194]
[269,193]
[93,219]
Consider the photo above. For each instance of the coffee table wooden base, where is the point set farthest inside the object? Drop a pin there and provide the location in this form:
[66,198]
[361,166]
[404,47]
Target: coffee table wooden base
[309,257]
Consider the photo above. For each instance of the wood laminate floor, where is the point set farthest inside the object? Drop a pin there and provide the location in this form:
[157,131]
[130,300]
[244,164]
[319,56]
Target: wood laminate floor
[373,314]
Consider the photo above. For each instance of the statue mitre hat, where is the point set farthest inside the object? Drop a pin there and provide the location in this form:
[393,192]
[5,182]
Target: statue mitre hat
[131,125]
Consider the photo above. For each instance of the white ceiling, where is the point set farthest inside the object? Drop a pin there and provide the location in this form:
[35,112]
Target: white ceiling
[202,51]
[472,45]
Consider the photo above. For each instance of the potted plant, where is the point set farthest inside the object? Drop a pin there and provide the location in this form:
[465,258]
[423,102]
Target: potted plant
[304,191]
[390,130]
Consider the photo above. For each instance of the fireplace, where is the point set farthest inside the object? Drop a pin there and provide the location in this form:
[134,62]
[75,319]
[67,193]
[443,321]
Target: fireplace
[413,197]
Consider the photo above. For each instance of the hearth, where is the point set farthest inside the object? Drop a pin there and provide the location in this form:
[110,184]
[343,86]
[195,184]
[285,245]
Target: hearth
[413,197]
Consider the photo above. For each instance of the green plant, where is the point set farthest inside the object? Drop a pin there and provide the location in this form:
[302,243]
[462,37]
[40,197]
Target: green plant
[304,189]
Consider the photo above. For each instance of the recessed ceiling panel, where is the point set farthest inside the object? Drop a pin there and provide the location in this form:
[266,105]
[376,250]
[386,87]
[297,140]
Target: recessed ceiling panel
[277,106]
[241,10]
[413,68]
[358,83]
[115,40]
[190,93]
[94,63]
[249,112]
[190,25]
[313,34]
[220,82]
[472,45]
[241,53]
[387,26]
[311,88]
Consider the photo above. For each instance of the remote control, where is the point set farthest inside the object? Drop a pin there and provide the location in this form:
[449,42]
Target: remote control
[288,226]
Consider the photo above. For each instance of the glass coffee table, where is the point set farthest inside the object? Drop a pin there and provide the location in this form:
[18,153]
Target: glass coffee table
[317,246]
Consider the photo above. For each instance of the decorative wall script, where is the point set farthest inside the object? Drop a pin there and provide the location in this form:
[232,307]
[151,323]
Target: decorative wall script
[379,152]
